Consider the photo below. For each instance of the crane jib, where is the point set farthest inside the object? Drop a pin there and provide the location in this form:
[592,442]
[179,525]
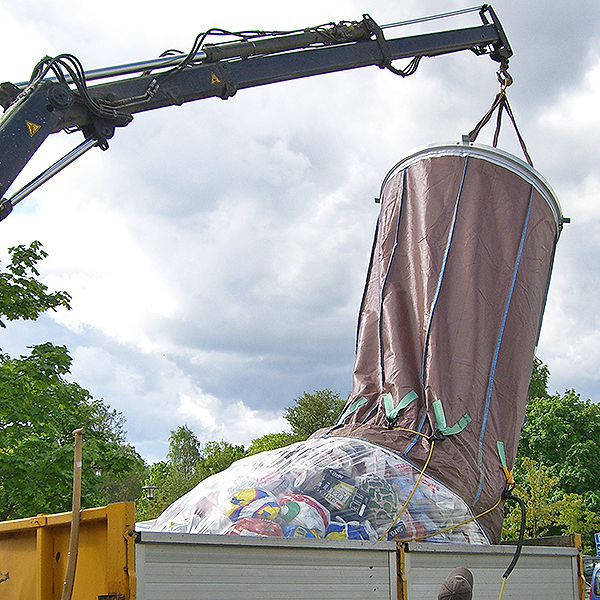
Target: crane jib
[49,104]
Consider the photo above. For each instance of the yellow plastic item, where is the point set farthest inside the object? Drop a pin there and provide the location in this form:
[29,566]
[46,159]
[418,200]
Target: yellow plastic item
[34,554]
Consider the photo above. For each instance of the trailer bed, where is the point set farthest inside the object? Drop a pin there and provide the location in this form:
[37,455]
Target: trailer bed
[197,567]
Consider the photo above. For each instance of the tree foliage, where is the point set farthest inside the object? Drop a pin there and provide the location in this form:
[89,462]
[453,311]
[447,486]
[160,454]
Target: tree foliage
[158,476]
[549,511]
[538,385]
[557,467]
[309,413]
[22,296]
[184,451]
[271,441]
[217,456]
[188,463]
[563,434]
[315,411]
[125,486]
[39,409]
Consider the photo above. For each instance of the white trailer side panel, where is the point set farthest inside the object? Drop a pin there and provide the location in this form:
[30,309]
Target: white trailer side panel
[196,567]
[542,573]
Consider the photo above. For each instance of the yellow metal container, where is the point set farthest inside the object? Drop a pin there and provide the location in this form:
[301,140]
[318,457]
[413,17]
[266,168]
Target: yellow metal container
[34,554]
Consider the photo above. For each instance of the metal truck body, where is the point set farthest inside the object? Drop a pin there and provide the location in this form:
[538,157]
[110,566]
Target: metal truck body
[186,566]
[115,562]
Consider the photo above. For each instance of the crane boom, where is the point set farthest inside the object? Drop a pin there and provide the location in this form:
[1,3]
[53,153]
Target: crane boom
[48,104]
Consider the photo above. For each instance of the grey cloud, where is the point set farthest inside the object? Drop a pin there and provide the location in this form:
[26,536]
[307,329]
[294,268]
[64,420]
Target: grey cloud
[257,214]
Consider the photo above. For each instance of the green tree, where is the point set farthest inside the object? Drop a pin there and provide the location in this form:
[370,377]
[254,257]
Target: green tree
[556,469]
[538,385]
[125,486]
[188,463]
[271,441]
[22,296]
[217,456]
[177,475]
[39,409]
[549,510]
[309,413]
[164,495]
[184,451]
[312,412]
[563,434]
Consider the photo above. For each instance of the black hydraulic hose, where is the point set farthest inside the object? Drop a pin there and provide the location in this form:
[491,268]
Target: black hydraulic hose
[513,563]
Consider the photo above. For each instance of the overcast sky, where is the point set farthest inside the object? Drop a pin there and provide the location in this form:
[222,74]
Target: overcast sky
[216,253]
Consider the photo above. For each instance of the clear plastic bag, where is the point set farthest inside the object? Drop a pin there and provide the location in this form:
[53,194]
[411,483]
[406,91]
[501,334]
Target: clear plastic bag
[333,487]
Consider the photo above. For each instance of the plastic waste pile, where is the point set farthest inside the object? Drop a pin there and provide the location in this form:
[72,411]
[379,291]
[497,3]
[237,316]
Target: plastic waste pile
[331,487]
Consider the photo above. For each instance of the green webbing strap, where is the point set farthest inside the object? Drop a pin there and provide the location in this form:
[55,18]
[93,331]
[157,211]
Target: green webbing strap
[391,411]
[510,480]
[352,408]
[440,417]
[501,454]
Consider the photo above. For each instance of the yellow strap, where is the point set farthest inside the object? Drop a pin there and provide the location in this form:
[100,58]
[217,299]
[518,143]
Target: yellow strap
[411,493]
[510,480]
[502,588]
[485,512]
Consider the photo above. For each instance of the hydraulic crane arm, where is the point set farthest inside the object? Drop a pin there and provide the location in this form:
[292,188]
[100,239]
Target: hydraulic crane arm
[64,101]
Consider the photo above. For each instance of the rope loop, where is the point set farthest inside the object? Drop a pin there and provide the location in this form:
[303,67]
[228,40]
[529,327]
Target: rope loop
[500,104]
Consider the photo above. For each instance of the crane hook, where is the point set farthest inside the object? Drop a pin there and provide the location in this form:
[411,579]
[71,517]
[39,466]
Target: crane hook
[504,77]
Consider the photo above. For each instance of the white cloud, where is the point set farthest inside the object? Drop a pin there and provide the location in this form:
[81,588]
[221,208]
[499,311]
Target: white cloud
[216,253]
[113,284]
[235,422]
[577,109]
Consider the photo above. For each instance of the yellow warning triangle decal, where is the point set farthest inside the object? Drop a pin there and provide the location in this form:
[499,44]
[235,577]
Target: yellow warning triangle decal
[33,128]
[214,79]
